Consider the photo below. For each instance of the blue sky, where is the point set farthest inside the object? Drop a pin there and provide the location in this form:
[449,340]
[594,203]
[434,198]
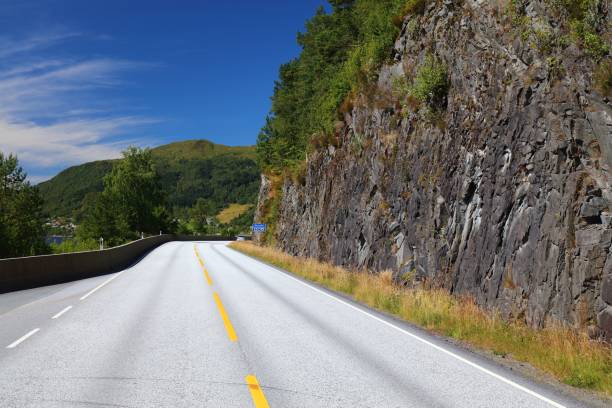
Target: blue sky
[82,80]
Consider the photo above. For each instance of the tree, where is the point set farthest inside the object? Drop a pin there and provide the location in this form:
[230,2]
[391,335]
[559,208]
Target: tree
[132,202]
[342,52]
[200,213]
[101,221]
[21,220]
[135,185]
[341,4]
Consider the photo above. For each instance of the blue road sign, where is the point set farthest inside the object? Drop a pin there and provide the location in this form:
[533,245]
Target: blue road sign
[259,227]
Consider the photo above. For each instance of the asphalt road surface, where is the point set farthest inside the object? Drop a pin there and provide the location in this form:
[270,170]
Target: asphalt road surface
[200,325]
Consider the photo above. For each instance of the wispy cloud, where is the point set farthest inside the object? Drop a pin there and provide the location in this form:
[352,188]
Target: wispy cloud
[10,46]
[50,113]
[67,142]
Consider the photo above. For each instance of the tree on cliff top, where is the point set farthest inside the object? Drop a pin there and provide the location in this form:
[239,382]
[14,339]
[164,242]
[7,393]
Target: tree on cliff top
[341,52]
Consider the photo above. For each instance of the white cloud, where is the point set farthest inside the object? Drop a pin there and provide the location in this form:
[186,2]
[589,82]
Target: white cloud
[50,113]
[68,142]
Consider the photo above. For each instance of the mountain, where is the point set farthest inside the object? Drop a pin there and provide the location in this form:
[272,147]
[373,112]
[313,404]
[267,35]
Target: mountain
[189,170]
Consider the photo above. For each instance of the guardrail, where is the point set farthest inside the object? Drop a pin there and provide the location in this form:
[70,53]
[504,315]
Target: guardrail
[35,271]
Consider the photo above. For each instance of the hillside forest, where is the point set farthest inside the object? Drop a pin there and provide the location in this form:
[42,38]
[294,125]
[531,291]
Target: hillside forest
[193,187]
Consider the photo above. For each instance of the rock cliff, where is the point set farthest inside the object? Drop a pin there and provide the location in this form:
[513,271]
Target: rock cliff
[503,193]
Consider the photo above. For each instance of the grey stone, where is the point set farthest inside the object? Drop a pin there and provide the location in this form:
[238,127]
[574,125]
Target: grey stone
[588,210]
[606,290]
[599,203]
[604,321]
[393,226]
[588,237]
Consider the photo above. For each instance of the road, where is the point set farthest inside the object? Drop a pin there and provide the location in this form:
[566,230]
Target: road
[200,325]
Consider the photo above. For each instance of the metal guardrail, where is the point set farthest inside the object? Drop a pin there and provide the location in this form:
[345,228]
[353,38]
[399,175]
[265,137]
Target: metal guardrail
[35,271]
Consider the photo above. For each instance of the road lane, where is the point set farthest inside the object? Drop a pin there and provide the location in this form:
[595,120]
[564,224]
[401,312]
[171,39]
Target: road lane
[21,311]
[311,348]
[157,335]
[151,337]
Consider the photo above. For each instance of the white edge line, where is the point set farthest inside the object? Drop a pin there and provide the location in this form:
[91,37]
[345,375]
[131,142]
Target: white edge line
[22,339]
[91,292]
[422,340]
[62,312]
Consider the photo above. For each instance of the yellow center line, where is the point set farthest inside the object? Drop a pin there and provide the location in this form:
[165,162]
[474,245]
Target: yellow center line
[206,275]
[259,398]
[228,325]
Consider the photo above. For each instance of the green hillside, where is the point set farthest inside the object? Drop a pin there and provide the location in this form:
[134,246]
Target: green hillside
[189,170]
[201,149]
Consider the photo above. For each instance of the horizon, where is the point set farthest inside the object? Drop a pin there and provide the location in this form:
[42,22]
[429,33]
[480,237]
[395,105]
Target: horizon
[81,83]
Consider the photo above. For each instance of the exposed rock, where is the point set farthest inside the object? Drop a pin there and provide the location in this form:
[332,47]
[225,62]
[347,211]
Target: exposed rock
[604,320]
[606,290]
[264,193]
[506,197]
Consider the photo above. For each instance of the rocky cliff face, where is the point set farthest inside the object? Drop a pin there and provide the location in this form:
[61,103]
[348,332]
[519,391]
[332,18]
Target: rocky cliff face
[505,195]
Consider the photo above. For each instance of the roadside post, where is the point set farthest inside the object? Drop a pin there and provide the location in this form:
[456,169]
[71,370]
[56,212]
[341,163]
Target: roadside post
[101,243]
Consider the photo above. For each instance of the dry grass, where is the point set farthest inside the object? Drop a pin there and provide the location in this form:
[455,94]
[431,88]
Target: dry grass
[233,211]
[567,355]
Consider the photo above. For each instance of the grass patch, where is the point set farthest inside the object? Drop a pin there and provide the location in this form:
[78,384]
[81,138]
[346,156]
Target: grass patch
[602,78]
[232,212]
[567,355]
[431,82]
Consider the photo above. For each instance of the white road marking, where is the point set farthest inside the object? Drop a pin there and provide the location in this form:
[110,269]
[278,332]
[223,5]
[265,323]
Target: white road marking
[62,312]
[422,340]
[100,286]
[22,339]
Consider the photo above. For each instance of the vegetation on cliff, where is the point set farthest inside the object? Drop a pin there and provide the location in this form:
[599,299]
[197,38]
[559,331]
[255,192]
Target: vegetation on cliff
[342,52]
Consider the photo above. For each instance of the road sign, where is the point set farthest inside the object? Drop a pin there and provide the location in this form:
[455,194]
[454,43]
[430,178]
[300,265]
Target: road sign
[259,227]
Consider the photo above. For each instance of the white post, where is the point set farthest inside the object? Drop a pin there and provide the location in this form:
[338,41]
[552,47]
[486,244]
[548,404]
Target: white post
[101,243]
[142,235]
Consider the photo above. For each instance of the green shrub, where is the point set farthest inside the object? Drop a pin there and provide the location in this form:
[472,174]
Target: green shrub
[547,40]
[585,20]
[75,245]
[431,83]
[415,7]
[583,378]
[555,68]
[602,79]
[518,17]
[413,28]
[595,46]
